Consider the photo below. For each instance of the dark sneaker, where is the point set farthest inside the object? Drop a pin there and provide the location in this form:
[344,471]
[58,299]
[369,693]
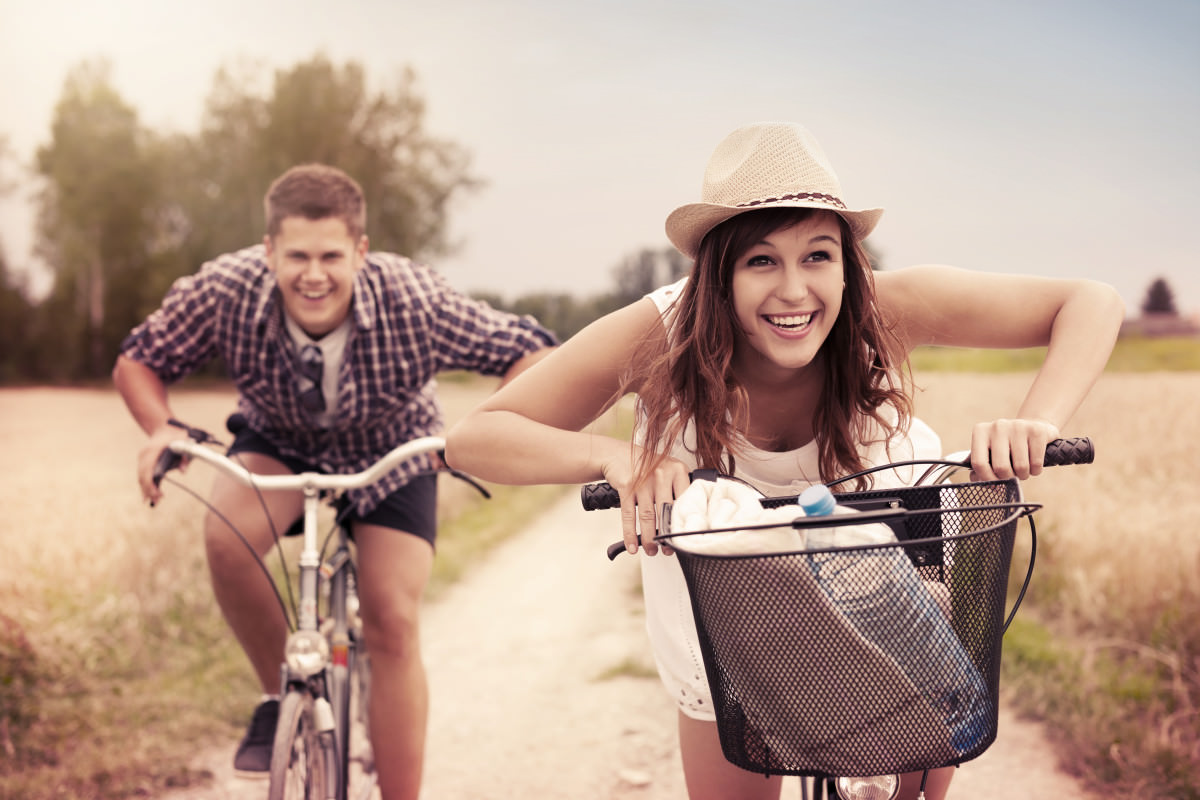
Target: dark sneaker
[253,758]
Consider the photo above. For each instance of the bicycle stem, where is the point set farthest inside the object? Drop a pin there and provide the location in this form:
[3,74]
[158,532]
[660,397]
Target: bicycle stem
[310,561]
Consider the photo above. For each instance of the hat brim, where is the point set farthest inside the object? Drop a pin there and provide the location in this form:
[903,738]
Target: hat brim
[687,225]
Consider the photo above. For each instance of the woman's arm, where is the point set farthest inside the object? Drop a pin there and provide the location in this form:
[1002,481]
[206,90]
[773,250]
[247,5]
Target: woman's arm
[532,429]
[1076,320]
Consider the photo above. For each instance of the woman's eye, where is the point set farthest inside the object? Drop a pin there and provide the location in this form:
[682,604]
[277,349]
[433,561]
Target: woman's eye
[758,261]
[820,255]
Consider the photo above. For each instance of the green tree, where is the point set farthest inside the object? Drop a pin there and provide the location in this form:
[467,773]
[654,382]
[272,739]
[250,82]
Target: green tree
[15,310]
[124,211]
[94,217]
[15,322]
[1160,299]
[316,111]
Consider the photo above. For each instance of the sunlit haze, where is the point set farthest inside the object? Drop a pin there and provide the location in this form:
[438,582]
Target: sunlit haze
[1055,138]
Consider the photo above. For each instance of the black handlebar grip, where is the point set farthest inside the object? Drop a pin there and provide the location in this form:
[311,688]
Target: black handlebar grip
[168,460]
[598,496]
[616,548]
[1065,452]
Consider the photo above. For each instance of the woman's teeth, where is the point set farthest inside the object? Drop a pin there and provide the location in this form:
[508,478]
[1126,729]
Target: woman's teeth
[791,321]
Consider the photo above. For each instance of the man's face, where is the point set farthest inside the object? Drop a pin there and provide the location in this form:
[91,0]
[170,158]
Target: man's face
[314,261]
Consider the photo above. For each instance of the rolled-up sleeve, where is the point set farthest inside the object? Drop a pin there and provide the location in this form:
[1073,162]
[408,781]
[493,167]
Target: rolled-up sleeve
[472,335]
[177,338]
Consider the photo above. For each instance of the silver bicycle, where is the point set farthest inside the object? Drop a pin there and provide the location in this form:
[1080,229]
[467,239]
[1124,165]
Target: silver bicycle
[320,743]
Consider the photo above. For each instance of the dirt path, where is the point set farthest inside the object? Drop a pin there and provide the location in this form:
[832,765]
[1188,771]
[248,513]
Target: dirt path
[533,694]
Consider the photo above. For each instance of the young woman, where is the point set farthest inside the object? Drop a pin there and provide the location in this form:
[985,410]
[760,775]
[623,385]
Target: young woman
[782,358]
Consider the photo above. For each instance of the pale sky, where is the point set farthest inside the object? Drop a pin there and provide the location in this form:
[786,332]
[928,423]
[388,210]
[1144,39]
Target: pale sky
[1056,138]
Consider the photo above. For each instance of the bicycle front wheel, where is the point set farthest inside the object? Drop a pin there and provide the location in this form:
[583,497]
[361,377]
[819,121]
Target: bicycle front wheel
[299,756]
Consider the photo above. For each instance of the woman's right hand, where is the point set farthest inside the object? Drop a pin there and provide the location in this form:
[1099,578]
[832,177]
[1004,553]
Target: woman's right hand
[641,505]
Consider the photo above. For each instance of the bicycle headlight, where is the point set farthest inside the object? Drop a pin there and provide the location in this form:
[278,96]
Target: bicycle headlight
[879,787]
[306,653]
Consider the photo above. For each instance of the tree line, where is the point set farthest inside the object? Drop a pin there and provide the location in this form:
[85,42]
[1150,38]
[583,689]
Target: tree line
[123,210]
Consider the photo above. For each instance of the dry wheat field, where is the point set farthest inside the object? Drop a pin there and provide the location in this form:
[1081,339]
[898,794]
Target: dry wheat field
[75,521]
[1124,527]
[87,567]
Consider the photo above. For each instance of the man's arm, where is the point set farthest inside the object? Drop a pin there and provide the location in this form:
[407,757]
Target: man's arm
[145,396]
[525,362]
[144,393]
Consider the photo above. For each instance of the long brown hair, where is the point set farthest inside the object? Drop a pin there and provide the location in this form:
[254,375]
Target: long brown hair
[864,364]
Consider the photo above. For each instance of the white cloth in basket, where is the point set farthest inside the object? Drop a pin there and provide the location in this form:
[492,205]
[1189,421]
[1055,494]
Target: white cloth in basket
[726,503]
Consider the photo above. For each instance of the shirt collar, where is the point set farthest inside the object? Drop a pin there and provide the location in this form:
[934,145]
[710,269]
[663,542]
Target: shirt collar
[365,306]
[264,310]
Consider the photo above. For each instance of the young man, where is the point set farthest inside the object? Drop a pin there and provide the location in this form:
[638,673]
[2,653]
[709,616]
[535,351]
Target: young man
[333,351]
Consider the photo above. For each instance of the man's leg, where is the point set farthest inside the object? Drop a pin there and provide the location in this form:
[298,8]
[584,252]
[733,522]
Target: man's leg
[393,569]
[244,593]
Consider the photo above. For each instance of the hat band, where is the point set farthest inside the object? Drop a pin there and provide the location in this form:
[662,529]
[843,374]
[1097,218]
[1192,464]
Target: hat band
[828,198]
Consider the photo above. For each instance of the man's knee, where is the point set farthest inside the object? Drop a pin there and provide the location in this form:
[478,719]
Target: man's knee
[229,552]
[392,630]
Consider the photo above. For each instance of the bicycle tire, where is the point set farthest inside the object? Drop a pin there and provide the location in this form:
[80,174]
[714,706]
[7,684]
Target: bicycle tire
[298,757]
[357,758]
[360,698]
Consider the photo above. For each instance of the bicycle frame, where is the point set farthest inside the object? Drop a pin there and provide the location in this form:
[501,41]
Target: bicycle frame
[321,663]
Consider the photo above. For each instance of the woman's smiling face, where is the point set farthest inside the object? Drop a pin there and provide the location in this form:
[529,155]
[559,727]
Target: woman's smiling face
[787,293]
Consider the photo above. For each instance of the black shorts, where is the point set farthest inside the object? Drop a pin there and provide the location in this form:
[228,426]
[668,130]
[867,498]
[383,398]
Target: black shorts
[412,508]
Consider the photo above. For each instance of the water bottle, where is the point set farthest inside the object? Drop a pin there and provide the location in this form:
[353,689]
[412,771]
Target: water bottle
[882,595]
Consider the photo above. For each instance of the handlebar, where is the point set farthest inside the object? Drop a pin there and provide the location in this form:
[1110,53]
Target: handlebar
[305,480]
[194,447]
[1060,452]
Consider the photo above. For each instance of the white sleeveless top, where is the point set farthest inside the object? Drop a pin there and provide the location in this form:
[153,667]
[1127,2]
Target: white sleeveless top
[669,620]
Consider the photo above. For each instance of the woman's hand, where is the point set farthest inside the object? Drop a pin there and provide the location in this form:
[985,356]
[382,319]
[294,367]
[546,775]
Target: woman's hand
[641,507]
[1007,448]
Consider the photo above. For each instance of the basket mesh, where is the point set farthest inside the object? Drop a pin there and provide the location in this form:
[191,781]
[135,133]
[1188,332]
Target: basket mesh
[797,685]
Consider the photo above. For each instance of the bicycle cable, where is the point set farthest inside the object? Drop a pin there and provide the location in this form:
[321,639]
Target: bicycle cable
[246,542]
[293,619]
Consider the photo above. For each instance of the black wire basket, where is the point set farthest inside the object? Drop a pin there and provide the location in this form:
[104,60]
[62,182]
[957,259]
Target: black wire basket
[862,660]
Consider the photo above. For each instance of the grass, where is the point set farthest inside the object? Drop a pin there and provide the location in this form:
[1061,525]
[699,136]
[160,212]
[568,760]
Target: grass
[110,639]
[1119,693]
[466,538]
[1131,354]
[1106,650]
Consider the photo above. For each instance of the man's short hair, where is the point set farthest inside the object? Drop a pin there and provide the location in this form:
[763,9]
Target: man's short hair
[316,191]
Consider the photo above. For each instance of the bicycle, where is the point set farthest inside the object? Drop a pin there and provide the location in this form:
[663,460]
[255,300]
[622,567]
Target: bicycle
[325,668]
[807,684]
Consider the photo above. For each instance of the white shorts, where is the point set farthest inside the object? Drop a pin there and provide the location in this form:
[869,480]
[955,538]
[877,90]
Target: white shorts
[672,630]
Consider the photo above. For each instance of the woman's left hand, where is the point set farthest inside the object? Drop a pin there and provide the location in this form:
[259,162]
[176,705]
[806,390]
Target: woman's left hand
[1006,448]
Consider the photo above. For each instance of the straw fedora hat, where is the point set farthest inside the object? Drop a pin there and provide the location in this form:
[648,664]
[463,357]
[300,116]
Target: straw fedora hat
[764,165]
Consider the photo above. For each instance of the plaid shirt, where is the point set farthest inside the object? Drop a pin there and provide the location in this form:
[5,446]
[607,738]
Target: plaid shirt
[408,326]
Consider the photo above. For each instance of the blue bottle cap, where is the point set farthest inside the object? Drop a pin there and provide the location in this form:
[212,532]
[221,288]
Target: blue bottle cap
[817,501]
